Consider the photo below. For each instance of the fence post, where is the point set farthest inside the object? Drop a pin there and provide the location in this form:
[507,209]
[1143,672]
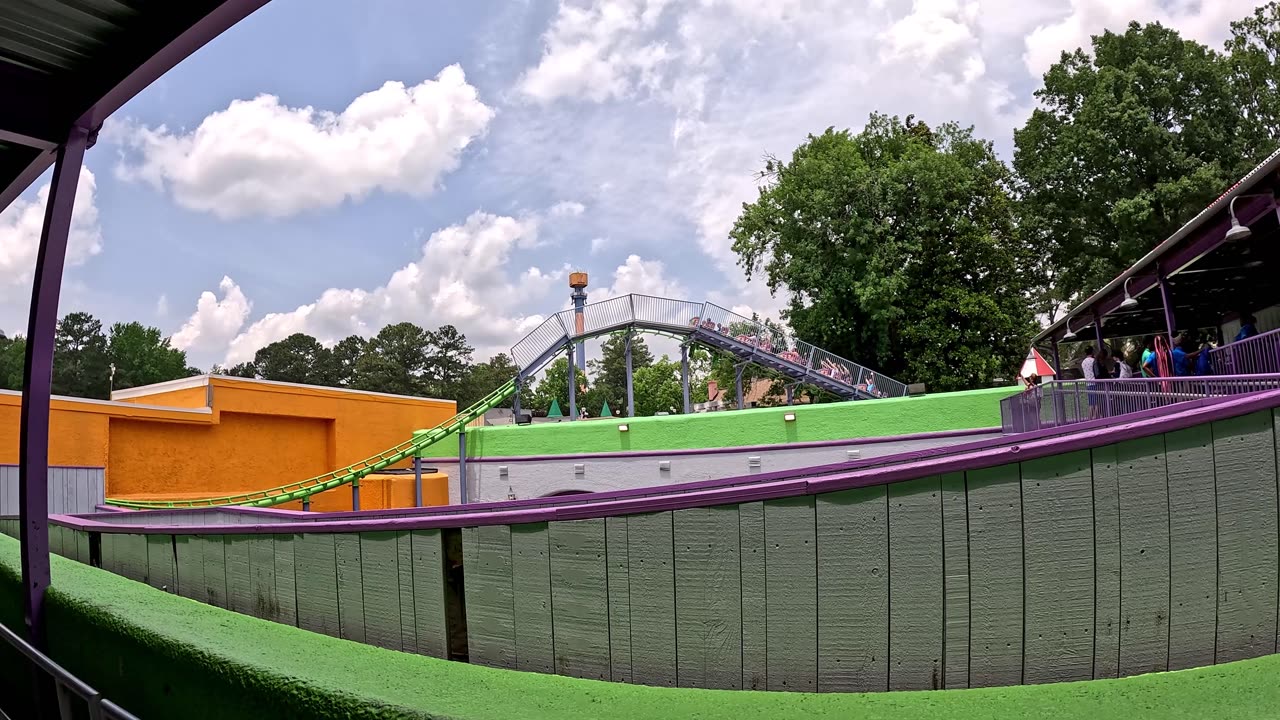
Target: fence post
[417,481]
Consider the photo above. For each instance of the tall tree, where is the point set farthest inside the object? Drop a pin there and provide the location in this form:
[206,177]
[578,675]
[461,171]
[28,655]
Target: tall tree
[81,367]
[897,249]
[610,371]
[554,385]
[394,361]
[1254,67]
[345,356]
[298,358]
[1129,142]
[12,359]
[483,378]
[658,389]
[142,356]
[448,360]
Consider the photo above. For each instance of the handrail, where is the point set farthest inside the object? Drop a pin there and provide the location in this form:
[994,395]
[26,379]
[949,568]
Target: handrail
[66,684]
[1254,355]
[336,478]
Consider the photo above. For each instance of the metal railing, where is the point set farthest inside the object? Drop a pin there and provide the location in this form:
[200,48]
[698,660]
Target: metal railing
[1257,355]
[67,687]
[1066,402]
[682,316]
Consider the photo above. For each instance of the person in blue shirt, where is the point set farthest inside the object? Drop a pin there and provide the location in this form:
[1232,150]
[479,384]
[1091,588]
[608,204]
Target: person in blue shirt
[1203,364]
[1182,360]
[1150,368]
[1248,327]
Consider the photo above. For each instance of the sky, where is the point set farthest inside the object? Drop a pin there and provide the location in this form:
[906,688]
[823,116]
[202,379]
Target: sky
[332,166]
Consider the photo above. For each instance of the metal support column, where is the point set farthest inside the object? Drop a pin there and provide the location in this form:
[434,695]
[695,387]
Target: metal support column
[417,481]
[737,382]
[631,392]
[1097,329]
[791,393]
[573,387]
[306,504]
[355,494]
[1169,320]
[515,403]
[1057,360]
[684,377]
[462,464]
[37,379]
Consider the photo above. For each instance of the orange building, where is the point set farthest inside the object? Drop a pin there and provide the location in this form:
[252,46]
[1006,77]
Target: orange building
[217,435]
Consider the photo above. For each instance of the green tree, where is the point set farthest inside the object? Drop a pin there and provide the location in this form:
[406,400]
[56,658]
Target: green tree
[142,356]
[554,385]
[81,367]
[298,358]
[897,249]
[345,356]
[1254,73]
[448,362]
[1129,142]
[610,371]
[12,359]
[394,361]
[657,388]
[243,370]
[483,378]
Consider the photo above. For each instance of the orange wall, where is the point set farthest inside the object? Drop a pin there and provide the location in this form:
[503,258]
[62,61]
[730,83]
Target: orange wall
[256,435]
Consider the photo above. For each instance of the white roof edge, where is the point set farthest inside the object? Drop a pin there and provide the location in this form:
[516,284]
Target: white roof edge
[202,380]
[1271,163]
[118,404]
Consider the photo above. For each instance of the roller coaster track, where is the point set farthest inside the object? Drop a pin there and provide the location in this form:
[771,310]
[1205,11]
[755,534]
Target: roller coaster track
[749,341]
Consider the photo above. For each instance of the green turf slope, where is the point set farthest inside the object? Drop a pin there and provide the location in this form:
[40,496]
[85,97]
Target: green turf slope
[763,426]
[164,656]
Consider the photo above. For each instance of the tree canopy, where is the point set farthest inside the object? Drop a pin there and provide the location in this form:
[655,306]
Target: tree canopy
[896,247]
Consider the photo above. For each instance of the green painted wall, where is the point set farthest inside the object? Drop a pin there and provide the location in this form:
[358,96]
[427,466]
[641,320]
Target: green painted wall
[764,426]
[160,655]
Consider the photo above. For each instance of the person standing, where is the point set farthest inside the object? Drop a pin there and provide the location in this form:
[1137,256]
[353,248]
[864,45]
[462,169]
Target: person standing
[1248,327]
[1089,369]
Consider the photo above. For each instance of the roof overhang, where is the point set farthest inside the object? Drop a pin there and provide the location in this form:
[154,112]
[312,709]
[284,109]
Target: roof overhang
[1230,273]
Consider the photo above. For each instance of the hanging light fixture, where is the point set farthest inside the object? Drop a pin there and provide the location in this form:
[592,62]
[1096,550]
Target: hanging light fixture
[1070,334]
[1238,231]
[1129,301]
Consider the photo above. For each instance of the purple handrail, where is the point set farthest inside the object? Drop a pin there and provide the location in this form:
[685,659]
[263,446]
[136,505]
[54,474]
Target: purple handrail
[1066,402]
[1257,355]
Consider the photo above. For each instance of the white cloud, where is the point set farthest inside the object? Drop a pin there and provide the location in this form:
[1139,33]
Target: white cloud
[20,226]
[162,306]
[216,321]
[262,158]
[644,277]
[461,278]
[600,244]
[567,209]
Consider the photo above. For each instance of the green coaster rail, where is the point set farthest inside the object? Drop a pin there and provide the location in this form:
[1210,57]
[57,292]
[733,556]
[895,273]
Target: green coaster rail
[306,488]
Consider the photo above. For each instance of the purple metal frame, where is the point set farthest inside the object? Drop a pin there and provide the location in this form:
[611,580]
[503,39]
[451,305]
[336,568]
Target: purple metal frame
[1258,354]
[37,380]
[33,450]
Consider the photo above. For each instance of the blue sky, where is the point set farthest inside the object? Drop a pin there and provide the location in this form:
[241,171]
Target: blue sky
[275,183]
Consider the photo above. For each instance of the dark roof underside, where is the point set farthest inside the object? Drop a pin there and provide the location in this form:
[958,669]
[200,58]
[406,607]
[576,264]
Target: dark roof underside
[69,62]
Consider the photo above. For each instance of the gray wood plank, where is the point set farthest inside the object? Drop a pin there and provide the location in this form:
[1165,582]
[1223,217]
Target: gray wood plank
[404,571]
[380,578]
[316,583]
[752,555]
[190,567]
[853,590]
[1144,556]
[262,577]
[916,587]
[350,587]
[995,576]
[1193,547]
[491,634]
[239,574]
[649,548]
[430,632]
[132,556]
[619,587]
[82,547]
[531,585]
[1244,454]
[580,598]
[215,569]
[708,598]
[1106,562]
[286,590]
[1057,531]
[955,563]
[160,571]
[791,586]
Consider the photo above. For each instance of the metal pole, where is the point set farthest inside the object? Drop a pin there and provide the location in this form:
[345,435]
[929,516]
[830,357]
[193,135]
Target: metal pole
[1057,361]
[462,464]
[306,504]
[790,394]
[737,382]
[355,494]
[417,481]
[1097,329]
[684,377]
[37,380]
[1169,320]
[515,404]
[631,393]
[573,387]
